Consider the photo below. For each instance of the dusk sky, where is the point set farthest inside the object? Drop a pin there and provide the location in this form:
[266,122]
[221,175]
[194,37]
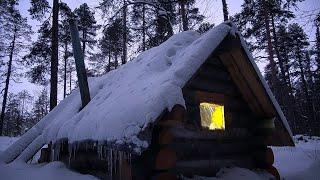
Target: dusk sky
[211,9]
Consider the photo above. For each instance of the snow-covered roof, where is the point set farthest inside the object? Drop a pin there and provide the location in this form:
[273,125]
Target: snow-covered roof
[126,100]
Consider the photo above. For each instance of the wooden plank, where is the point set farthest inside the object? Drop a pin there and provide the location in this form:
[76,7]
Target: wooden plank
[242,85]
[253,81]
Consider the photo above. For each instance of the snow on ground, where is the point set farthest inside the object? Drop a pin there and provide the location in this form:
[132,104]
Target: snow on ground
[21,171]
[294,163]
[300,162]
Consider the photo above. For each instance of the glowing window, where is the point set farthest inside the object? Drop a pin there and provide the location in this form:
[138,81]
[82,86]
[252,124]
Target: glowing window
[212,116]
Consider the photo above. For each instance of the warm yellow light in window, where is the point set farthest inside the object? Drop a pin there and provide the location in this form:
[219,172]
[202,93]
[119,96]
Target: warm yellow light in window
[212,116]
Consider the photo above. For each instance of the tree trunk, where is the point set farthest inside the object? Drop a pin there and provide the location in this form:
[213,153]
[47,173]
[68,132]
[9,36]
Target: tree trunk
[318,54]
[65,69]
[143,28]
[115,62]
[54,56]
[225,10]
[276,45]
[286,96]
[124,33]
[109,59]
[269,47]
[306,90]
[183,15]
[70,79]
[84,43]
[5,95]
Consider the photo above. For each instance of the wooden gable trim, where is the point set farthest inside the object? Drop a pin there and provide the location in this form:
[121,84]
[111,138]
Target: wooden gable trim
[243,74]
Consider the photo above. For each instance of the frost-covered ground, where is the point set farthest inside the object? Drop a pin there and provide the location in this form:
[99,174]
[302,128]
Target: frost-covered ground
[294,163]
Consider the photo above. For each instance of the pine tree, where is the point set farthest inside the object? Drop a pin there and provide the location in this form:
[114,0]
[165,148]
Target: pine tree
[264,21]
[87,25]
[204,27]
[111,43]
[13,119]
[25,99]
[298,44]
[65,39]
[40,107]
[17,31]
[38,10]
[54,56]
[38,58]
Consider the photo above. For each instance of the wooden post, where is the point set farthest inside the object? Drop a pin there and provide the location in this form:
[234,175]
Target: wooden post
[80,67]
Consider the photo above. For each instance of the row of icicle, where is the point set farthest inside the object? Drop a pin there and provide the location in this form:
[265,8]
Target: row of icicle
[113,157]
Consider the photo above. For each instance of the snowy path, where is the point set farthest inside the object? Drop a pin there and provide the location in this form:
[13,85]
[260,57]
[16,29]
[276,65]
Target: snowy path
[294,163]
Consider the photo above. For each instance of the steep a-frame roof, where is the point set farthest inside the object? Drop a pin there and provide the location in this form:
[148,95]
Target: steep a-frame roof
[126,100]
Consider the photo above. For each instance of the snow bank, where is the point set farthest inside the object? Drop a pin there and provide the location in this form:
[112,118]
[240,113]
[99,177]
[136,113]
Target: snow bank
[51,171]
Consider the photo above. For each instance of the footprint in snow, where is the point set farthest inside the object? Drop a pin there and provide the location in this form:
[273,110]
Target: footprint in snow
[171,52]
[177,43]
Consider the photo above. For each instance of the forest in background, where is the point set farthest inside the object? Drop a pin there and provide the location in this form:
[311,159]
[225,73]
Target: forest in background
[132,26]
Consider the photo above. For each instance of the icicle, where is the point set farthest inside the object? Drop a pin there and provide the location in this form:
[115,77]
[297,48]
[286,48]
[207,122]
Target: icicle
[111,162]
[120,163]
[70,154]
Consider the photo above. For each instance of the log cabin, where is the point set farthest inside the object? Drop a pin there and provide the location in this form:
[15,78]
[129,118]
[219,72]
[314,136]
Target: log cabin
[191,106]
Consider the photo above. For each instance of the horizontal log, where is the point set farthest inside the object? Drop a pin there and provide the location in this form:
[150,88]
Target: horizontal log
[231,134]
[177,113]
[165,176]
[198,83]
[165,159]
[209,167]
[215,73]
[215,62]
[187,149]
[263,127]
[165,137]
